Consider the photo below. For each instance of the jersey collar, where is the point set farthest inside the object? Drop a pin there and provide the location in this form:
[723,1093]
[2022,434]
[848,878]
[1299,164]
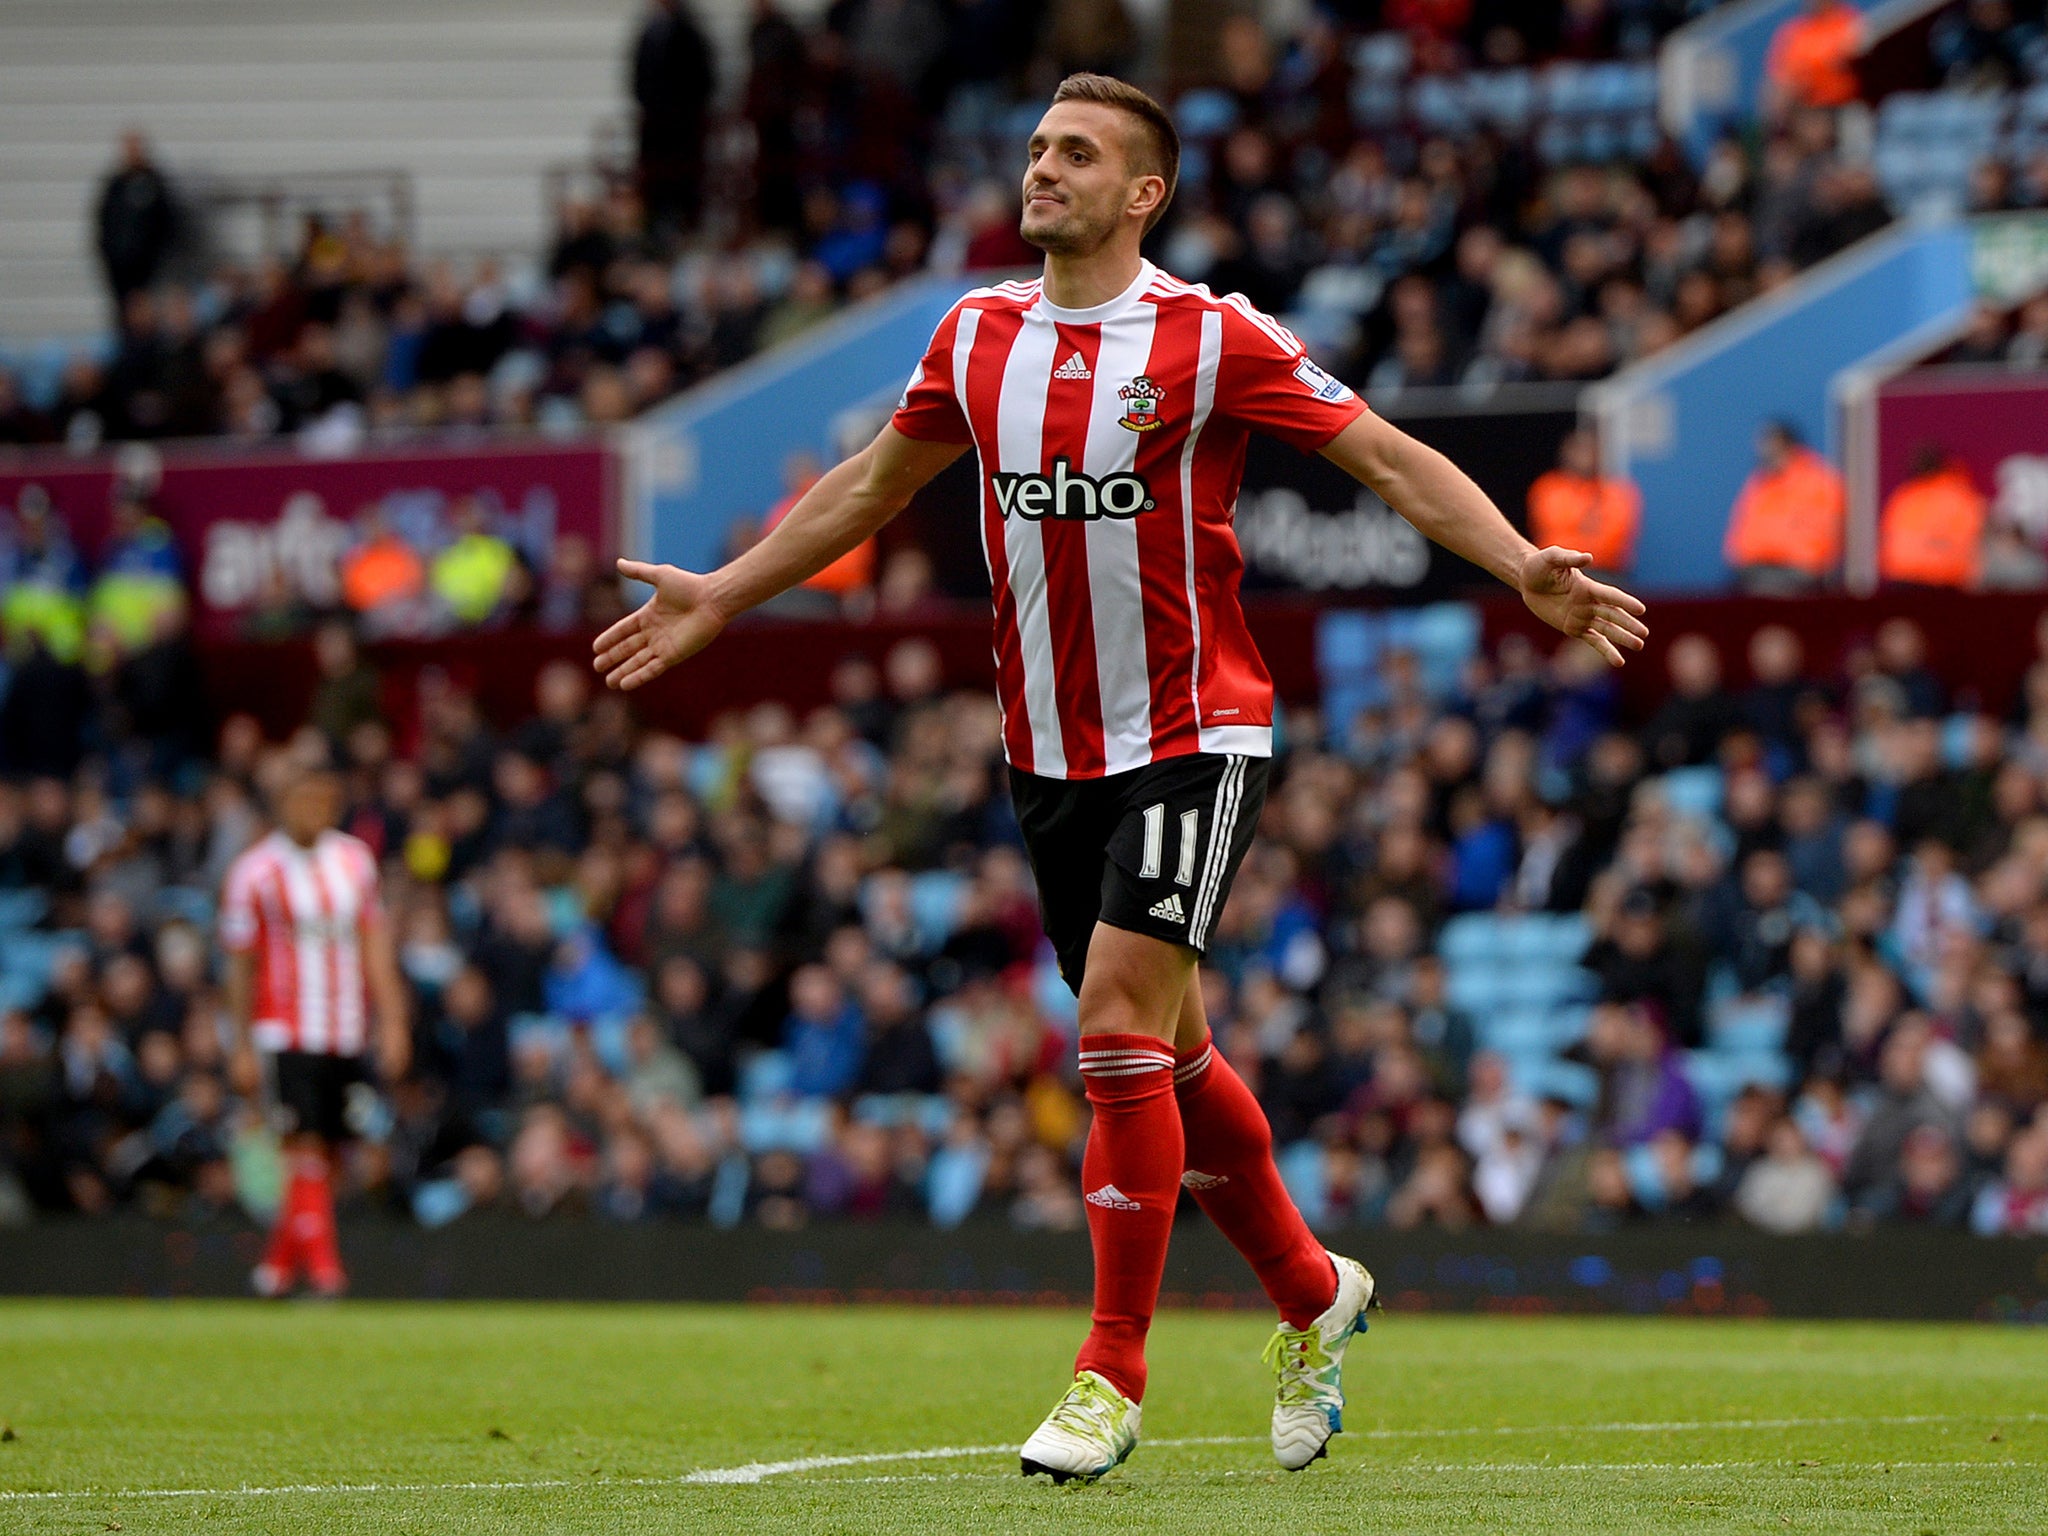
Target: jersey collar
[1108,308]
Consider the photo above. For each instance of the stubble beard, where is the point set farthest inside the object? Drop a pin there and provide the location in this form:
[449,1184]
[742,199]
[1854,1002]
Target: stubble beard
[1067,235]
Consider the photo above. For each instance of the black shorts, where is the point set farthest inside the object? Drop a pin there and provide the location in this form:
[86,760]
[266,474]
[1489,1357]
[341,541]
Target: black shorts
[1152,850]
[312,1092]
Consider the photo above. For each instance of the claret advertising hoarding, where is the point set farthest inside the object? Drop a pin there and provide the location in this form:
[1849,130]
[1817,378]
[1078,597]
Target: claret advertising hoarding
[264,528]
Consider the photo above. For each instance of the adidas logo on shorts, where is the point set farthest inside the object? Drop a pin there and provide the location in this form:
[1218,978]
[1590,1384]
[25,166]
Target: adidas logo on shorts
[1194,1178]
[1169,909]
[1110,1198]
[1073,368]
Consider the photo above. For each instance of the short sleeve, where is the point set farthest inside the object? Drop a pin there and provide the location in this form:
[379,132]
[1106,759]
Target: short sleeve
[237,926]
[930,410]
[1268,382]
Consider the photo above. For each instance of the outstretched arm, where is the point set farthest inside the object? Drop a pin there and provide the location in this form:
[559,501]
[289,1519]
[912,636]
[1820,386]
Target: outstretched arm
[688,610]
[1442,502]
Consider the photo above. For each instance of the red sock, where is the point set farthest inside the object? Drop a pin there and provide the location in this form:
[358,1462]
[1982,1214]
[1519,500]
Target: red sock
[1130,1177]
[313,1216]
[1233,1178]
[281,1254]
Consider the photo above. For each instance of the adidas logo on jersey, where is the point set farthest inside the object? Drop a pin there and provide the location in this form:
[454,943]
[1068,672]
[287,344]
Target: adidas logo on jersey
[1073,368]
[1110,1198]
[1169,909]
[1194,1178]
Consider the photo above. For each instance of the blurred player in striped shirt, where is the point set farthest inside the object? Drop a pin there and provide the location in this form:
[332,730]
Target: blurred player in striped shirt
[312,983]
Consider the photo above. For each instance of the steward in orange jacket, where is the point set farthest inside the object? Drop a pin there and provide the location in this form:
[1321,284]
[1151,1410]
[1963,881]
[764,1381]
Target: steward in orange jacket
[1572,507]
[1931,532]
[1812,60]
[1785,533]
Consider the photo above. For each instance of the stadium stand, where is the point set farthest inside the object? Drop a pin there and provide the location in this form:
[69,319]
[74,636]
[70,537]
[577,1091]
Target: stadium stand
[792,973]
[1502,952]
[1420,221]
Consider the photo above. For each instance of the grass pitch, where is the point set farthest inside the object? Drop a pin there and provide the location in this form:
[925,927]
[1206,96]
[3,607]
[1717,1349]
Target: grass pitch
[231,1417]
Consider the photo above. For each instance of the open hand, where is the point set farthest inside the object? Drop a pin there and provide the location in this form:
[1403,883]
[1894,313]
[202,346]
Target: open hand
[671,626]
[1560,593]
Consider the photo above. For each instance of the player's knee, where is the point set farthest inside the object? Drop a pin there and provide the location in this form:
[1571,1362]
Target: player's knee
[1119,1010]
[1133,986]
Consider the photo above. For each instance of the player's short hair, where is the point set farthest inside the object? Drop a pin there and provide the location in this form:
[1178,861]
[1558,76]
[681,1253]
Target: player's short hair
[1155,149]
[295,772]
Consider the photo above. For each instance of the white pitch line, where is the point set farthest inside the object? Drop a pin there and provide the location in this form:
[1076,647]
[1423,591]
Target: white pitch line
[1386,1468]
[759,1471]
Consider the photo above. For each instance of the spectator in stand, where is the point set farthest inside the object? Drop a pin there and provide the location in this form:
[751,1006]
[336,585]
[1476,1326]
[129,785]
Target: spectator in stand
[1931,532]
[474,576]
[137,221]
[2017,1204]
[1812,59]
[1575,506]
[43,599]
[1697,713]
[1785,530]
[672,76]
[1788,1189]
[140,585]
[21,423]
[849,577]
[383,579]
[350,692]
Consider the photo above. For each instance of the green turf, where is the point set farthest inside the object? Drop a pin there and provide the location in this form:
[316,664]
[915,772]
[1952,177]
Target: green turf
[587,1418]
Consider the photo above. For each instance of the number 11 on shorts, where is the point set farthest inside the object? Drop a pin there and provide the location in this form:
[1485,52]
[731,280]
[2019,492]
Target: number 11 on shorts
[1155,839]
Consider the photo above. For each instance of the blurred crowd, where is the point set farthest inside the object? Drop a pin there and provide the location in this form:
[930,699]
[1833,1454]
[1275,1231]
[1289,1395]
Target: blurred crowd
[793,972]
[1434,194]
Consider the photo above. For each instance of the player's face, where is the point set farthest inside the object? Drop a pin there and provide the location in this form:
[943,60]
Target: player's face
[310,806]
[1077,183]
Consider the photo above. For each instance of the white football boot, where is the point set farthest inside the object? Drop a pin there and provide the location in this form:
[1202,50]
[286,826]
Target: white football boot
[1090,1432]
[1308,1401]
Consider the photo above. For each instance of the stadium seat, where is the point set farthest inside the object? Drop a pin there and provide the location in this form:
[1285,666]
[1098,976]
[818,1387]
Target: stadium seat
[1375,104]
[1542,1075]
[1205,114]
[1718,1076]
[1050,991]
[184,903]
[1301,1170]
[1693,792]
[1569,90]
[1475,988]
[22,909]
[953,1182]
[1469,939]
[1568,1026]
[1749,1026]
[1599,141]
[1439,103]
[1444,638]
[1505,98]
[1517,1033]
[935,901]
[1348,642]
[802,1126]
[764,1076]
[932,1113]
[1383,55]
[32,955]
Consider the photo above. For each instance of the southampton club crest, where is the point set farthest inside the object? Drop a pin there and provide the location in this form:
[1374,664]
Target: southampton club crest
[1141,399]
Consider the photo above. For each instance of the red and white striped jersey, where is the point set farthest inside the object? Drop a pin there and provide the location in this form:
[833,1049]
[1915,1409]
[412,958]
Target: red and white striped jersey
[302,912]
[1112,447]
